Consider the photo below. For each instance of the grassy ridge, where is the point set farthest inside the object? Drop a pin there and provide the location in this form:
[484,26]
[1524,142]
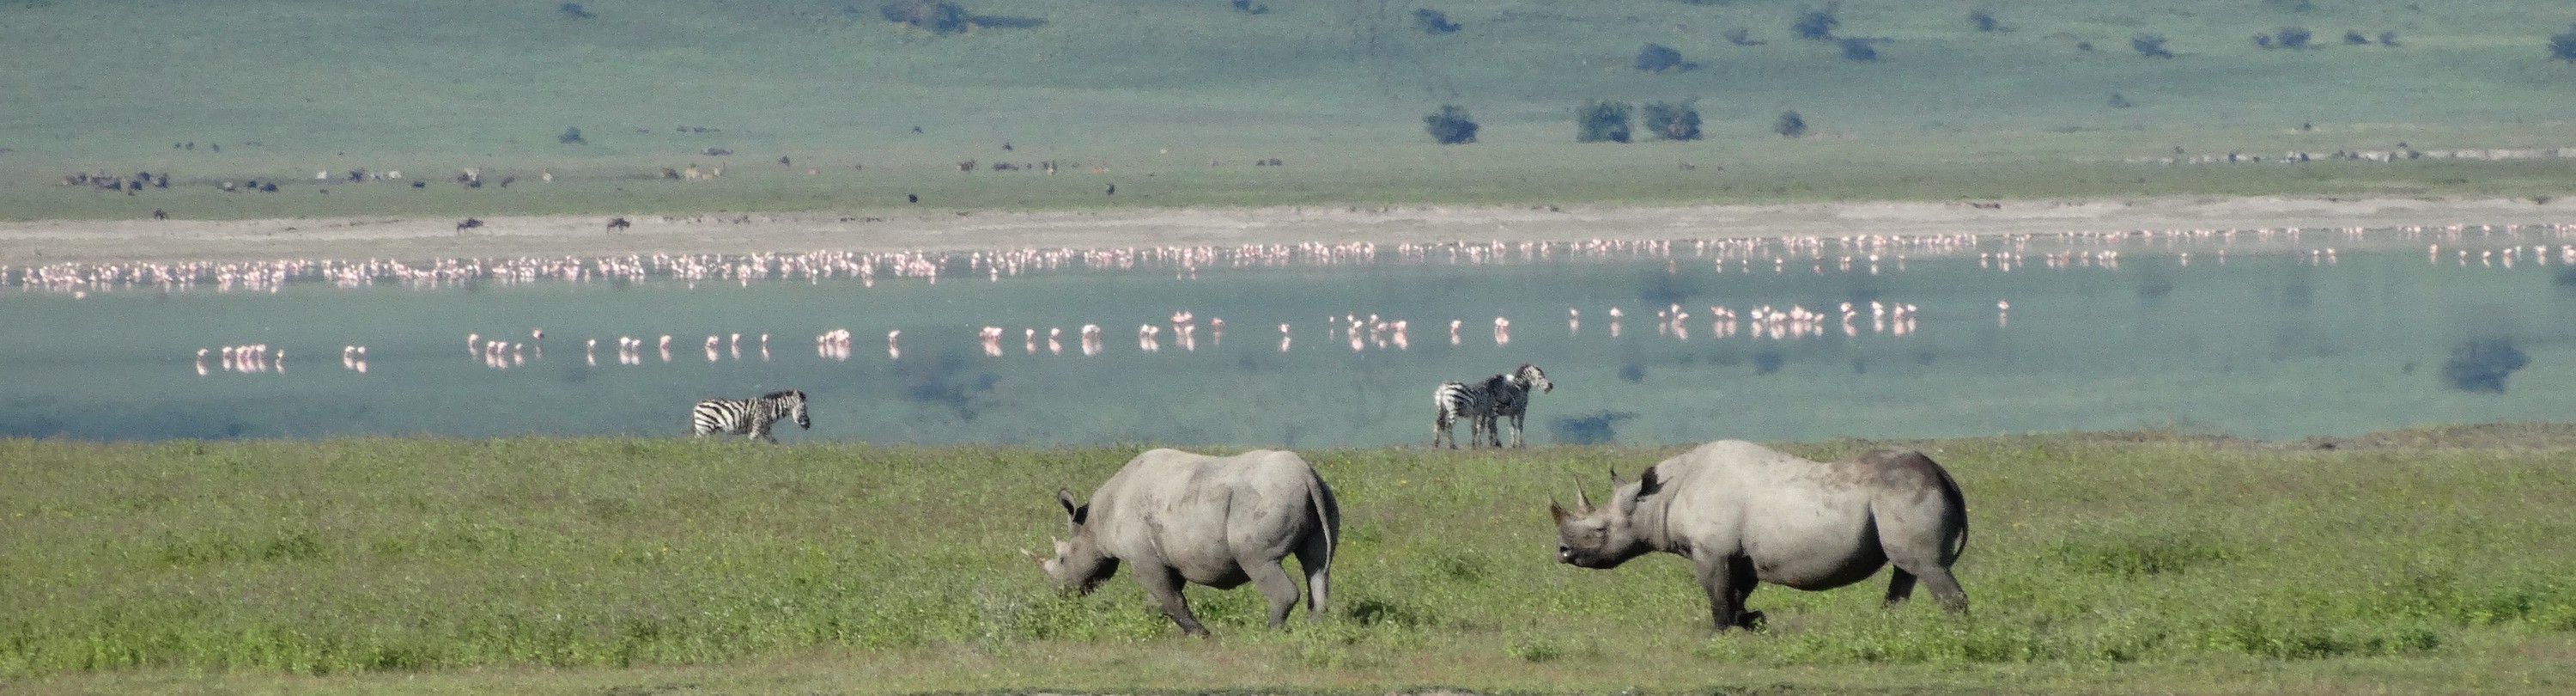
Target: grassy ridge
[2091,556]
[1156,91]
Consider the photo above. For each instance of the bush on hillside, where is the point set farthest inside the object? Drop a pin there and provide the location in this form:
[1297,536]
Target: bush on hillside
[1672,121]
[1790,125]
[1602,120]
[2563,46]
[1451,126]
[1740,37]
[932,15]
[2150,45]
[2291,37]
[1434,22]
[1659,58]
[1815,24]
[571,136]
[1985,21]
[1857,49]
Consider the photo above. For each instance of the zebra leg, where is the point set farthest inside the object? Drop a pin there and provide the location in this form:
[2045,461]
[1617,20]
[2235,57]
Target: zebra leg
[1517,419]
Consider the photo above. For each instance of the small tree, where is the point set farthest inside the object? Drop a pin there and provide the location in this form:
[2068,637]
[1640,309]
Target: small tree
[2388,38]
[1985,21]
[1816,24]
[1857,49]
[2354,38]
[1740,37]
[2563,46]
[2150,45]
[2291,37]
[1659,58]
[571,136]
[1451,126]
[1672,121]
[1433,21]
[937,17]
[1601,120]
[1791,125]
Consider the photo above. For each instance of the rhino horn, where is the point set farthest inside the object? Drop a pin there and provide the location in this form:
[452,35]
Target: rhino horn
[1582,502]
[1033,556]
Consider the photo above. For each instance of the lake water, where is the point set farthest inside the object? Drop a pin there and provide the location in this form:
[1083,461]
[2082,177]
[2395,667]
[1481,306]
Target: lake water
[2262,333]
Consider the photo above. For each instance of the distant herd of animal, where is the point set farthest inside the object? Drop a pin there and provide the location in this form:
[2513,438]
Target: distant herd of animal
[1742,513]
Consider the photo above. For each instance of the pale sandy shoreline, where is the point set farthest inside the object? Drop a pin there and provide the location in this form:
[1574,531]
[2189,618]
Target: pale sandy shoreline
[415,238]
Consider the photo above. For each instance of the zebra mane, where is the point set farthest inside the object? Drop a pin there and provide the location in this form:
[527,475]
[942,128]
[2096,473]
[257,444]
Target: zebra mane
[782,394]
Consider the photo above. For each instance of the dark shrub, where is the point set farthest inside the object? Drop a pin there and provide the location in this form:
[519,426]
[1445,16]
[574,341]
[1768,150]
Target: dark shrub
[575,11]
[1451,126]
[2291,37]
[2263,40]
[2388,38]
[1815,24]
[2150,45]
[2354,38]
[1592,429]
[2481,365]
[1433,22]
[1985,21]
[2563,46]
[571,136]
[1672,121]
[1248,8]
[1857,49]
[1740,37]
[1602,120]
[1791,124]
[937,17]
[2120,102]
[1659,58]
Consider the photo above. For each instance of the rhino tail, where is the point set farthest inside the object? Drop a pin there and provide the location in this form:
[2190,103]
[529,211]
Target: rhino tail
[1958,505]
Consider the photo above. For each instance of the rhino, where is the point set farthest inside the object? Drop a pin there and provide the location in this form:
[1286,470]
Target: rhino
[1216,521]
[1747,514]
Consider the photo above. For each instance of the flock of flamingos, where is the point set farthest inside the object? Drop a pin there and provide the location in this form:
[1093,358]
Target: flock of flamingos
[2480,245]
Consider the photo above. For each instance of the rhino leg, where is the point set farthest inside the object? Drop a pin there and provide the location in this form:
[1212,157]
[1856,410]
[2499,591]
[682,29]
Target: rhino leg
[1728,581]
[1273,580]
[1900,586]
[1164,585]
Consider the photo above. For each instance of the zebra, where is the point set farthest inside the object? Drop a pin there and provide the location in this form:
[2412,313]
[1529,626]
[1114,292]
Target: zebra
[748,417]
[1455,399]
[1508,396]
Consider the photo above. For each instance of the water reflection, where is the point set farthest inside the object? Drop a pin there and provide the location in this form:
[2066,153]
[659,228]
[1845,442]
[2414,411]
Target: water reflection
[2272,333]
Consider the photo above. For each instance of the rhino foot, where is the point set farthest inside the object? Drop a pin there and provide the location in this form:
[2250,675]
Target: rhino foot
[1751,620]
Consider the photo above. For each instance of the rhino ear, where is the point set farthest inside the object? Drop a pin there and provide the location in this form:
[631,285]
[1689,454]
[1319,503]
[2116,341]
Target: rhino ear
[1626,498]
[1615,481]
[1649,483]
[1557,512]
[1076,512]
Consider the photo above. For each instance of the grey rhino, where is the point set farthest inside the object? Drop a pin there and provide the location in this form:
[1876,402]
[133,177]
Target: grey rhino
[1215,521]
[1747,514]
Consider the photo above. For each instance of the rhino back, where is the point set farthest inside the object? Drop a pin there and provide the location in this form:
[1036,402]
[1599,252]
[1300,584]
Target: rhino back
[1730,496]
[1189,509]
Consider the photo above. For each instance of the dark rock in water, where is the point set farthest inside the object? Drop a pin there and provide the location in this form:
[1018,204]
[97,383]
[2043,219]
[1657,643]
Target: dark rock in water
[2481,365]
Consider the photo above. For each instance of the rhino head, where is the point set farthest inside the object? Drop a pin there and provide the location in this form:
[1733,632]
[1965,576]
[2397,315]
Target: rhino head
[1607,536]
[1077,565]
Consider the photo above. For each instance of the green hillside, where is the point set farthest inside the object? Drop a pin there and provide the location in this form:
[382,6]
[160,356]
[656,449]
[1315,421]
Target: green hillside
[1181,98]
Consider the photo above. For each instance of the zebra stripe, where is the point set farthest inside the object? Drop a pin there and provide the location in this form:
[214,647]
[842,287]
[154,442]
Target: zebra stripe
[1508,397]
[748,417]
[1452,401]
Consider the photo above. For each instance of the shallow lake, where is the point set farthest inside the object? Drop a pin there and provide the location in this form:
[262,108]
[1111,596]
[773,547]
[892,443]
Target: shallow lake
[2261,333]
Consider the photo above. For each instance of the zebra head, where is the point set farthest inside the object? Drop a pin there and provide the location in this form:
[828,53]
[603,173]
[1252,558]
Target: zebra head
[1530,376]
[794,401]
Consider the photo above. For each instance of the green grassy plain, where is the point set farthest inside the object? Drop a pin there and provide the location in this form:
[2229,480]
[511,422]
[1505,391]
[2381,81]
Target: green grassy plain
[1176,98]
[2412,562]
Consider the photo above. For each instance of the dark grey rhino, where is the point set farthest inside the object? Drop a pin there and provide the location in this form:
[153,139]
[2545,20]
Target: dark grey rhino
[1747,514]
[1215,521]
